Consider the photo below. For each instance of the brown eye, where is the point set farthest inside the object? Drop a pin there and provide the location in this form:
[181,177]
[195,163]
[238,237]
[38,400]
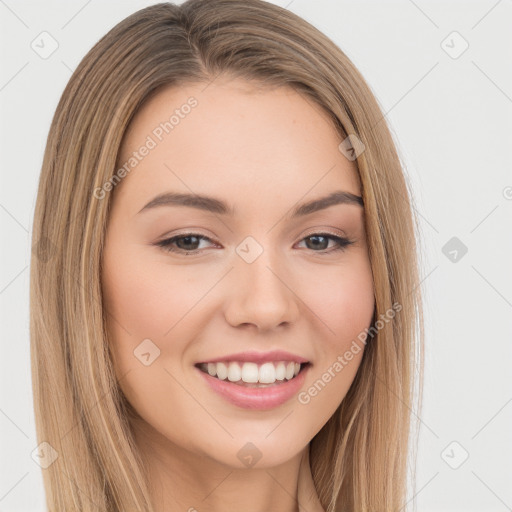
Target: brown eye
[321,241]
[187,243]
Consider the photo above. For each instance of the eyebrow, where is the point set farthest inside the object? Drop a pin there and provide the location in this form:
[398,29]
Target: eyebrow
[217,206]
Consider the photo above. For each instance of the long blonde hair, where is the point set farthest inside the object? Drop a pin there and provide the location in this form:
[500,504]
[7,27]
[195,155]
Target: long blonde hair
[359,459]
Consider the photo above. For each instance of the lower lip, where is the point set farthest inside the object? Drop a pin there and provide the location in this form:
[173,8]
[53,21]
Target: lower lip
[256,398]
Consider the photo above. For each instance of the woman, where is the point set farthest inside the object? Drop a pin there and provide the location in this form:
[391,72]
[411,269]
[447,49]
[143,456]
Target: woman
[225,311]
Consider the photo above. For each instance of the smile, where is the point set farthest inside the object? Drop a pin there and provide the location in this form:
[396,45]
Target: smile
[271,384]
[251,373]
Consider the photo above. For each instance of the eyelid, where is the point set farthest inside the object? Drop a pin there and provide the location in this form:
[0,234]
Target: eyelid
[325,231]
[310,232]
[341,241]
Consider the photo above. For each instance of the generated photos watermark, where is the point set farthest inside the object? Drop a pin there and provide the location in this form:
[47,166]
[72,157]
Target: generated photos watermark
[304,397]
[157,135]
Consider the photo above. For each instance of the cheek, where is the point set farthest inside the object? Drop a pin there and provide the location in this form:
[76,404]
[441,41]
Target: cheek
[142,305]
[343,299]
[147,298]
[352,305]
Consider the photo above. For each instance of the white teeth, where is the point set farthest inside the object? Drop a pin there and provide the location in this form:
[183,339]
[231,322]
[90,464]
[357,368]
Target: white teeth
[266,373]
[234,372]
[222,371]
[281,371]
[290,370]
[250,372]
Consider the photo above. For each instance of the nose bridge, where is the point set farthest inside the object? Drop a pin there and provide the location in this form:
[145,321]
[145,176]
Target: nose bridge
[262,295]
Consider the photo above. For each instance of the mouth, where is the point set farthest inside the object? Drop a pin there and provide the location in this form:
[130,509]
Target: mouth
[251,374]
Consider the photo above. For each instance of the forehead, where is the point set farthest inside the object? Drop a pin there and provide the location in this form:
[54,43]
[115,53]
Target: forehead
[230,135]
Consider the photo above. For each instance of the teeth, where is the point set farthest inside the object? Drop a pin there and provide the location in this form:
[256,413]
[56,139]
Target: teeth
[234,372]
[222,371]
[281,371]
[267,373]
[212,369]
[290,370]
[252,373]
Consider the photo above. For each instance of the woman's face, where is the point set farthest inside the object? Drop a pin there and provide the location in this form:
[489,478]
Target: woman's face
[256,285]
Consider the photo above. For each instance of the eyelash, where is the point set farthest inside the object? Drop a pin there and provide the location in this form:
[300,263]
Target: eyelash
[342,242]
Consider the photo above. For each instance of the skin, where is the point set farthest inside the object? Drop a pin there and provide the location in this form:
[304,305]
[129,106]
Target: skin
[262,151]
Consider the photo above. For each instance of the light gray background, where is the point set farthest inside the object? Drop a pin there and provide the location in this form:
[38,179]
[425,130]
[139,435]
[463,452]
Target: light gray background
[451,118]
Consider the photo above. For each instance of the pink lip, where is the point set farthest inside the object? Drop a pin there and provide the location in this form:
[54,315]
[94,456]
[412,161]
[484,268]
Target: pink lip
[256,398]
[258,357]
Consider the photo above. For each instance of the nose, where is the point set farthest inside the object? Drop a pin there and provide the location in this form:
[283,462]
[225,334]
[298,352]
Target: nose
[261,293]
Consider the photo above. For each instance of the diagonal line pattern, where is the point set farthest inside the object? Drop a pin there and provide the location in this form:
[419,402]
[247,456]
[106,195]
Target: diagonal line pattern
[424,14]
[488,215]
[280,423]
[14,486]
[491,80]
[14,218]
[508,507]
[14,423]
[416,494]
[2,1]
[419,284]
[217,486]
[13,279]
[76,14]
[14,76]
[491,9]
[506,403]
[493,287]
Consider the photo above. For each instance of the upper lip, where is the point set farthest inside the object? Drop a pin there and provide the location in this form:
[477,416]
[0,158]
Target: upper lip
[258,357]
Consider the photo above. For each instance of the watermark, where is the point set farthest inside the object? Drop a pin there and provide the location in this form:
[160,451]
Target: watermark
[44,454]
[455,455]
[454,44]
[157,135]
[454,249]
[249,454]
[351,147]
[304,397]
[146,352]
[44,45]
[249,249]
[507,193]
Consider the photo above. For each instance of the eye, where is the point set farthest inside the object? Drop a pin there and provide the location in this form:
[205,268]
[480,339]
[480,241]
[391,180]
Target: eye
[322,240]
[188,243]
